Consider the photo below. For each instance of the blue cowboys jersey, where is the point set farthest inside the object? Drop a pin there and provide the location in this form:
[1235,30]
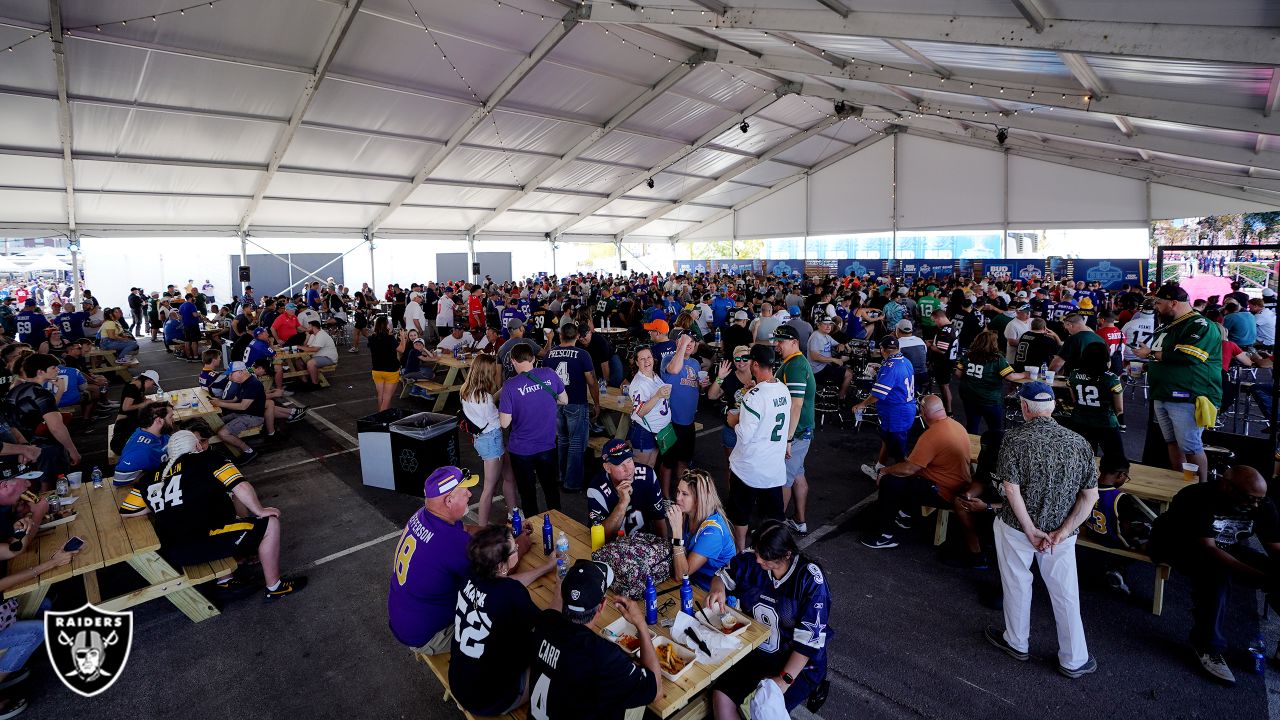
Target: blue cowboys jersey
[795,609]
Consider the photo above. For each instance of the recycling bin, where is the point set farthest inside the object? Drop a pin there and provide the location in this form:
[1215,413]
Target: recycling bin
[374,435]
[420,443]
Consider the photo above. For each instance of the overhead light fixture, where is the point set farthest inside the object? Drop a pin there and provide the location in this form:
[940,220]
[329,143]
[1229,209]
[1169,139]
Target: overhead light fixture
[649,182]
[744,126]
[840,107]
[1002,134]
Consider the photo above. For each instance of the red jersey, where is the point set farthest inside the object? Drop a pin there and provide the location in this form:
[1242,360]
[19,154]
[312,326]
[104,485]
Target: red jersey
[475,310]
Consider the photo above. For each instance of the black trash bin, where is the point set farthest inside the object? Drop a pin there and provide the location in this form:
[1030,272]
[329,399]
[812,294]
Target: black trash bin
[420,443]
[374,435]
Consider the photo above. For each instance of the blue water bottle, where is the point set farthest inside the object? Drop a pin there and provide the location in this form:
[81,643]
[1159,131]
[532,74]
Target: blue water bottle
[517,523]
[96,477]
[546,534]
[650,601]
[686,596]
[717,336]
[1258,650]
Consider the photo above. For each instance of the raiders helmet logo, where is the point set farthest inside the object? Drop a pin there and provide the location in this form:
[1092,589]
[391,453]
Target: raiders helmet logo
[88,648]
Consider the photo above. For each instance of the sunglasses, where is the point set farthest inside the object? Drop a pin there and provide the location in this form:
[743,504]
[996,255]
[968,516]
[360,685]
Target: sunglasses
[741,359]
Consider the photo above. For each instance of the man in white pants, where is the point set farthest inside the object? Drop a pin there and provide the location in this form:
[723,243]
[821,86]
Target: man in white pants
[1050,484]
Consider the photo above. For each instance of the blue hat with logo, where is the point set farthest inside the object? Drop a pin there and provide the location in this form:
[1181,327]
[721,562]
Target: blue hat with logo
[237,366]
[1036,391]
[447,479]
[616,452]
[290,306]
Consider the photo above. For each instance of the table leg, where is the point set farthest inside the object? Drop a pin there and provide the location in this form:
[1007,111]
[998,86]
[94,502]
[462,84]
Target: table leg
[29,604]
[449,379]
[624,427]
[155,570]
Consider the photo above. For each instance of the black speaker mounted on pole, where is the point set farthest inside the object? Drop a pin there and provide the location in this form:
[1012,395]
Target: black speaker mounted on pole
[624,266]
[475,268]
[244,273]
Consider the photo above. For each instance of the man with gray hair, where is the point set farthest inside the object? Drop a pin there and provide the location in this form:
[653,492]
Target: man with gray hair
[1079,336]
[1050,483]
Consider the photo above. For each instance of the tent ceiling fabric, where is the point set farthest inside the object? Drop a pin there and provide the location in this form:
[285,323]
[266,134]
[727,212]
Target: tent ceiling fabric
[180,123]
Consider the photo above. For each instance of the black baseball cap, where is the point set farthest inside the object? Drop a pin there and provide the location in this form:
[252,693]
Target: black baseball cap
[785,332]
[584,587]
[1171,292]
[889,342]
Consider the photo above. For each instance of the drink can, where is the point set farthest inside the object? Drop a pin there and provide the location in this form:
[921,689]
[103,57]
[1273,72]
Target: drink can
[63,488]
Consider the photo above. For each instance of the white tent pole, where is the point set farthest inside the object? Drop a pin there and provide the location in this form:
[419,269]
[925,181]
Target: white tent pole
[1004,237]
[74,244]
[555,269]
[244,258]
[372,282]
[471,258]
[893,191]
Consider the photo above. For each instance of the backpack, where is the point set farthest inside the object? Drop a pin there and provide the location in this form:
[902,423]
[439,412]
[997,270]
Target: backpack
[633,558]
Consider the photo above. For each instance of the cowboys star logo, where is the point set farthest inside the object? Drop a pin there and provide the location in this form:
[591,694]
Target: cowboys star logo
[408,460]
[88,647]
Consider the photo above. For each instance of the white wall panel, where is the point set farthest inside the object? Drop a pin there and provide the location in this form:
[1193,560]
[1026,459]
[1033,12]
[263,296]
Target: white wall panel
[778,215]
[853,195]
[721,229]
[1046,193]
[943,185]
[1172,203]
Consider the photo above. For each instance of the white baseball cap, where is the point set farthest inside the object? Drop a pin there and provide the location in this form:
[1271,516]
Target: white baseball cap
[154,377]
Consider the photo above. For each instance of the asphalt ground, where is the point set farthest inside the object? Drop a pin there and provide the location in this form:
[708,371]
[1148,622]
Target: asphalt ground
[907,629]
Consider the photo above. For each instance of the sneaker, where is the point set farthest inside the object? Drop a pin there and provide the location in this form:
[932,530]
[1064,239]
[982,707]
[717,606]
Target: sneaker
[995,637]
[904,521]
[296,415]
[1089,666]
[800,529]
[1214,664]
[1115,580]
[246,457]
[286,393]
[354,350]
[597,428]
[287,587]
[872,471]
[880,542]
[234,588]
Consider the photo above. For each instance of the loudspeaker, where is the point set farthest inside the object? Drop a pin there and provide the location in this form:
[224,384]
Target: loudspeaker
[624,266]
[244,273]
[475,268]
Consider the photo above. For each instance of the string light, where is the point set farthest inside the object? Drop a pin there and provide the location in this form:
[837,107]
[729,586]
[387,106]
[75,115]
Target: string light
[153,17]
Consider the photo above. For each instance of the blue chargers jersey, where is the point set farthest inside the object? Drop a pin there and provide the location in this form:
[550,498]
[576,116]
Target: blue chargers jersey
[795,609]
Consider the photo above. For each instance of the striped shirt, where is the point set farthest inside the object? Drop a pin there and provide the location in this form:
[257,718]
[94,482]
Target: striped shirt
[1050,465]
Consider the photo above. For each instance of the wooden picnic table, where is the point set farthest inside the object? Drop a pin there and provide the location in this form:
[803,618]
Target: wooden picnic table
[111,539]
[287,356]
[1059,381]
[103,362]
[615,412]
[191,404]
[1157,485]
[453,377]
[690,693]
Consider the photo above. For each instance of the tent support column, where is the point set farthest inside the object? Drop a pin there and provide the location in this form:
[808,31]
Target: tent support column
[618,244]
[471,258]
[73,242]
[1004,236]
[373,284]
[244,257]
[893,193]
[555,269]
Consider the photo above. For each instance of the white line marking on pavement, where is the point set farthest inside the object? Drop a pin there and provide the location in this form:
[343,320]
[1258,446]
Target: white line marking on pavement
[978,687]
[339,431]
[290,466]
[708,431]
[825,530]
[354,548]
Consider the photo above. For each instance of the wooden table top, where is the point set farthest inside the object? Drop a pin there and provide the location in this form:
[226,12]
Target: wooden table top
[446,359]
[1145,481]
[675,695]
[191,403]
[299,354]
[613,400]
[1059,381]
[109,538]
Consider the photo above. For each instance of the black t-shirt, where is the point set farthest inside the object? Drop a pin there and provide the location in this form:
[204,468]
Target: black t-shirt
[575,673]
[382,350]
[947,347]
[26,404]
[1034,350]
[601,353]
[732,337]
[190,500]
[491,626]
[131,391]
[1203,510]
[251,389]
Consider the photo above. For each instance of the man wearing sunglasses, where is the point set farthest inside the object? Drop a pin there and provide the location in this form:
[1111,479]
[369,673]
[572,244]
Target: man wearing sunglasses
[1203,535]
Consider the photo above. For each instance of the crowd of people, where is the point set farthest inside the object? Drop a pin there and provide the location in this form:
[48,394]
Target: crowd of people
[928,364]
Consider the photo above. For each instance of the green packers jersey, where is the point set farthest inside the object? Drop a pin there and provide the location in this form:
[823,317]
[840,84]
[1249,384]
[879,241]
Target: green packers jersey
[1190,363]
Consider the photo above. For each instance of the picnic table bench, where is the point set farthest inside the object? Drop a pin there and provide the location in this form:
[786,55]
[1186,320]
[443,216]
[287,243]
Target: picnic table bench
[304,356]
[682,699]
[456,374]
[110,539]
[103,362]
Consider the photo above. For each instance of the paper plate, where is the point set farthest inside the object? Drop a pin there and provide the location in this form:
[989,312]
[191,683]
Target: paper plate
[56,523]
[33,475]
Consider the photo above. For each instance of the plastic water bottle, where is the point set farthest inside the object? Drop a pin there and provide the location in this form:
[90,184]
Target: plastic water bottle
[650,601]
[1258,650]
[562,555]
[546,534]
[517,523]
[1044,371]
[717,336]
[97,477]
[686,596]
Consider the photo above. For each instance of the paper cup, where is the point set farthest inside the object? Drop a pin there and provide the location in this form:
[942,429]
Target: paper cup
[1049,375]
[703,376]
[1033,373]
[73,479]
[1190,472]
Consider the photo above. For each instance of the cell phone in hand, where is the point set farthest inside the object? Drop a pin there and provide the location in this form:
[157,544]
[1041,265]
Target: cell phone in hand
[73,544]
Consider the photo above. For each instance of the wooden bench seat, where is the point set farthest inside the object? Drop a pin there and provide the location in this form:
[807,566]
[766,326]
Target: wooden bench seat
[192,604]
[439,665]
[1162,570]
[597,443]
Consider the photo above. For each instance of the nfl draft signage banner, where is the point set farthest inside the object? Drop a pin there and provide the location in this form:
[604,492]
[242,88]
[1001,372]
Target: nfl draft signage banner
[821,268]
[1111,273]
[786,268]
[692,266]
[855,268]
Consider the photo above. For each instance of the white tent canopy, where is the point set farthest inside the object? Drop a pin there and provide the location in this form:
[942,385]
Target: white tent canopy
[521,118]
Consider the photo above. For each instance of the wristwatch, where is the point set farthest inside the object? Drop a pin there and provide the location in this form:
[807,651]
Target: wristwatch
[786,678]
[677,542]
